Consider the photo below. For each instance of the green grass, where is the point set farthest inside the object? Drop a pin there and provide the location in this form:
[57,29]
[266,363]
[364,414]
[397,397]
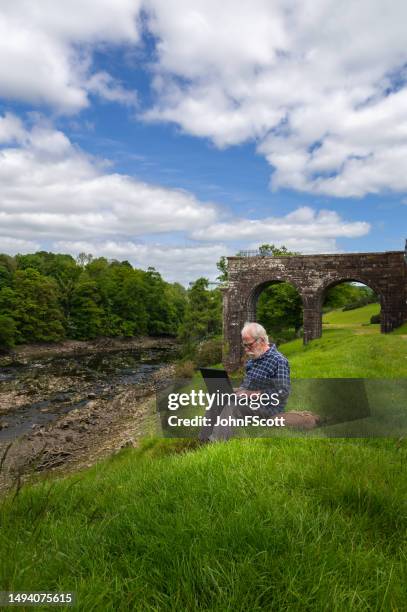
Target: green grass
[346,353]
[400,330]
[351,348]
[247,525]
[252,524]
[352,317]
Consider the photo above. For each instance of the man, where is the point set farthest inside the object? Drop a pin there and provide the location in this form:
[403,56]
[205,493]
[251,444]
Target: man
[267,369]
[267,372]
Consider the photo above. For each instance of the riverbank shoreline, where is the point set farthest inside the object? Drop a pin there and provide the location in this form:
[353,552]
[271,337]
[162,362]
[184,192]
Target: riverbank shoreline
[82,437]
[26,352]
[93,412]
[53,375]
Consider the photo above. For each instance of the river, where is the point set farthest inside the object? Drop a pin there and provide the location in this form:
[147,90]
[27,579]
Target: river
[35,392]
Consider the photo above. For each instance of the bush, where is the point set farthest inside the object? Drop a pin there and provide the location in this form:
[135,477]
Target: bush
[363,301]
[285,335]
[351,306]
[375,319]
[209,352]
[185,369]
[8,331]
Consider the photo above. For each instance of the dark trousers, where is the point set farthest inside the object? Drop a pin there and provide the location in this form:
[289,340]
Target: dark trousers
[214,433]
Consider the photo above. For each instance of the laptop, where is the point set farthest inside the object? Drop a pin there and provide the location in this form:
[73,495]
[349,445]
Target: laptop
[216,380]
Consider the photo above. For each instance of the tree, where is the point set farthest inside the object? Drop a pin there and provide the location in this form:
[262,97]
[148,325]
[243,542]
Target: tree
[7,301]
[37,312]
[66,272]
[86,319]
[280,305]
[8,326]
[45,296]
[8,331]
[279,308]
[161,312]
[177,296]
[7,269]
[222,266]
[271,249]
[83,259]
[203,313]
[129,300]
[31,260]
[345,294]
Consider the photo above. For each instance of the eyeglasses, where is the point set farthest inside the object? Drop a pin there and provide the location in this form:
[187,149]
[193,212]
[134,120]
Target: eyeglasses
[250,344]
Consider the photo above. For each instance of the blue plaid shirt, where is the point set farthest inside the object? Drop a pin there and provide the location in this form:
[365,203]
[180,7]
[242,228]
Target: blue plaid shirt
[269,373]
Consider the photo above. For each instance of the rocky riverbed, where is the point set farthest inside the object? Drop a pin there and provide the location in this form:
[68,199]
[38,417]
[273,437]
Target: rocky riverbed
[71,404]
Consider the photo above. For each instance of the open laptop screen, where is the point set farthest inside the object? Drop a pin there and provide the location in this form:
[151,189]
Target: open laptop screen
[216,380]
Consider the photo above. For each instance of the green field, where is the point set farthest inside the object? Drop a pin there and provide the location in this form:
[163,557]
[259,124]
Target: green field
[349,353]
[351,348]
[358,316]
[246,525]
[402,330]
[266,524]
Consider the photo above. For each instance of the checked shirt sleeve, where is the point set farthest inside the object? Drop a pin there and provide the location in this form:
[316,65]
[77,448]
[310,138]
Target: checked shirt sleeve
[270,373]
[282,381]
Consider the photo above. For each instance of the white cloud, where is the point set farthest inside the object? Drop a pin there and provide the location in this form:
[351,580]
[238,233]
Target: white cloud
[52,193]
[107,88]
[176,263]
[305,223]
[11,246]
[320,85]
[45,49]
[50,188]
[11,129]
[305,246]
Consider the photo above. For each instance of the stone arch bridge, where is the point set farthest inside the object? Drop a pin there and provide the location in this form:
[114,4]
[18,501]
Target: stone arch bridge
[312,275]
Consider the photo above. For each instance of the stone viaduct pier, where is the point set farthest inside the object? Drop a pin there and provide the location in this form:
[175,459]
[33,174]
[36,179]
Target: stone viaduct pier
[312,275]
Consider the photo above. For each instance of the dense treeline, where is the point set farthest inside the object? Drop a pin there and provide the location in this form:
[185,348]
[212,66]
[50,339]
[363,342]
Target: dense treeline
[202,326]
[46,297]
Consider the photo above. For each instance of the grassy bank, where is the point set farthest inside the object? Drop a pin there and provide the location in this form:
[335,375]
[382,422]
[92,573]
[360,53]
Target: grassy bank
[282,524]
[351,348]
[350,354]
[357,316]
[246,525]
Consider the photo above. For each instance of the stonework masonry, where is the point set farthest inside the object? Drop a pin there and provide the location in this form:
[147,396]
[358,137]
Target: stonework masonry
[311,275]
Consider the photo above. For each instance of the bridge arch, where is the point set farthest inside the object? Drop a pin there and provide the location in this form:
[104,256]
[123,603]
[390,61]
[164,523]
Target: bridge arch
[385,273]
[256,291]
[328,284]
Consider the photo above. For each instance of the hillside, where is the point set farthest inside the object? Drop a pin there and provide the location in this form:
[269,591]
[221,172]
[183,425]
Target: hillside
[281,524]
[351,348]
[358,316]
[248,525]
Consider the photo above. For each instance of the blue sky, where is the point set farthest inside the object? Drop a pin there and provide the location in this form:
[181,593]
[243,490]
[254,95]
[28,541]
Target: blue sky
[171,133]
